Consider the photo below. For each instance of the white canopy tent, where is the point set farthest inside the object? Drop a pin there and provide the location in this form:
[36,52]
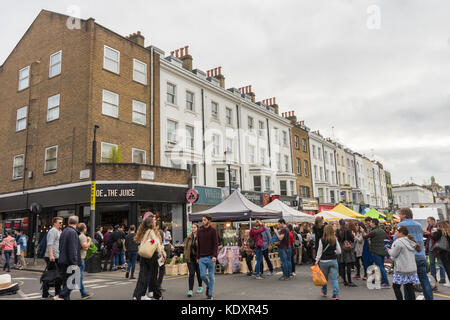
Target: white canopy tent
[333,216]
[289,214]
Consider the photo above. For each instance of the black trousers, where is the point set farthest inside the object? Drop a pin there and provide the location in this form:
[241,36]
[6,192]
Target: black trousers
[293,253]
[445,258]
[148,274]
[345,269]
[109,257]
[194,269]
[161,274]
[265,254]
[51,265]
[409,289]
[248,260]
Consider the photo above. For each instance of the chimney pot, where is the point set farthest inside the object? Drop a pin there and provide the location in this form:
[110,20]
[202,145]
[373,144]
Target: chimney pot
[139,33]
[220,70]
[177,51]
[187,47]
[171,53]
[181,52]
[250,88]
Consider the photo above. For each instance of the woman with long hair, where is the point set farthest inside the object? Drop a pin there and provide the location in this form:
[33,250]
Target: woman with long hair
[346,259]
[148,266]
[359,244]
[190,256]
[405,269]
[443,230]
[326,258]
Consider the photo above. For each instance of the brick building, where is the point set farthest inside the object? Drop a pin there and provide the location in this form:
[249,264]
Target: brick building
[59,81]
[301,162]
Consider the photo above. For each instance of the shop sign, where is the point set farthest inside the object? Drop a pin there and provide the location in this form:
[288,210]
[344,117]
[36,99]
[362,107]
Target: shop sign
[255,197]
[192,196]
[209,195]
[147,175]
[326,207]
[115,192]
[290,201]
[309,204]
[84,174]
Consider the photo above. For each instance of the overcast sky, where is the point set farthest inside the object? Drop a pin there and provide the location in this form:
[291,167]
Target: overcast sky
[377,71]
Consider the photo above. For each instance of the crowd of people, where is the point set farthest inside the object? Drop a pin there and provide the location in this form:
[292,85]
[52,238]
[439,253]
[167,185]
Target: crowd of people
[338,248]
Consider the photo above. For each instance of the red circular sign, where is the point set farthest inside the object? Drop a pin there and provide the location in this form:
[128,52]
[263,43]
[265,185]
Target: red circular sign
[192,196]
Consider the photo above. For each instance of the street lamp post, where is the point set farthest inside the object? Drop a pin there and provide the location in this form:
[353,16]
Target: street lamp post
[93,182]
[229,171]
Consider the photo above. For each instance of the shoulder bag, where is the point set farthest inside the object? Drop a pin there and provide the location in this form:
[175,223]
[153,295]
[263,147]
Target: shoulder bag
[441,244]
[147,249]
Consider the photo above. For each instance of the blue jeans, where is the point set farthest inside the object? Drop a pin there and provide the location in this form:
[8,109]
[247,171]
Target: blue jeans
[258,252]
[433,272]
[330,268]
[421,263]
[379,261]
[7,258]
[285,262]
[132,257]
[206,263]
[82,289]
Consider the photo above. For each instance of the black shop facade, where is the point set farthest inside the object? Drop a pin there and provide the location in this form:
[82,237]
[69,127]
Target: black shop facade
[116,204]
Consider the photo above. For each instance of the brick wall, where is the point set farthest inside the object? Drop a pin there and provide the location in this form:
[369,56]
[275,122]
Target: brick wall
[302,180]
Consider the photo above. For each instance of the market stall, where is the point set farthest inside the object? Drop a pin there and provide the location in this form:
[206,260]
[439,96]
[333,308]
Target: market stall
[233,209]
[372,213]
[289,214]
[340,208]
[333,216]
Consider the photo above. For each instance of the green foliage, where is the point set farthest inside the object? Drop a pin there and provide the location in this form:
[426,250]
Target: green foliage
[116,155]
[168,261]
[179,260]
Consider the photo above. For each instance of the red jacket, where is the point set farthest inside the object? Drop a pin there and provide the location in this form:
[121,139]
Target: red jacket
[291,238]
[256,234]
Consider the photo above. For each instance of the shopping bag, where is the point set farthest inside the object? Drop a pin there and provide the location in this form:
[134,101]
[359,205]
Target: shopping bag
[91,251]
[318,277]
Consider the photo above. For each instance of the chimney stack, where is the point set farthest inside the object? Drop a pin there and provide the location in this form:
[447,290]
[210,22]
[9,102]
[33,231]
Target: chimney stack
[137,38]
[248,90]
[184,56]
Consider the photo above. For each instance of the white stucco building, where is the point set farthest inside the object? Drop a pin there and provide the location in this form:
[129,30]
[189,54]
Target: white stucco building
[405,196]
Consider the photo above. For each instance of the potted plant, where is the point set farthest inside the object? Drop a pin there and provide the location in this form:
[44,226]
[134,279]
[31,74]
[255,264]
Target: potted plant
[171,267]
[182,266]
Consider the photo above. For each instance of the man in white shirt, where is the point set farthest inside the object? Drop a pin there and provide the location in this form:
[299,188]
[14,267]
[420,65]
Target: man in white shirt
[52,254]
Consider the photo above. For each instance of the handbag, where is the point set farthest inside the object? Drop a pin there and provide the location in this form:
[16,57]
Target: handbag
[441,244]
[318,277]
[51,276]
[147,249]
[347,246]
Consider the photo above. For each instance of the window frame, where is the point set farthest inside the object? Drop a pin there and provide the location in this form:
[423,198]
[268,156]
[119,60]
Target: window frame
[191,144]
[105,58]
[14,166]
[306,167]
[174,134]
[53,107]
[27,77]
[53,65]
[230,118]
[281,190]
[216,147]
[174,94]
[101,149]
[139,150]
[135,62]
[192,102]
[134,111]
[46,159]
[23,118]
[224,177]
[110,104]
[297,142]
[215,115]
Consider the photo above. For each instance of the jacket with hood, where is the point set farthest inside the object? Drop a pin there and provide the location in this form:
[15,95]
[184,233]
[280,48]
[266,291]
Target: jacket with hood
[402,252]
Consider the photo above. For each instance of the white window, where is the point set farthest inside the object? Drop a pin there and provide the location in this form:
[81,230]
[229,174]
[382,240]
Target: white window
[286,163]
[314,152]
[139,112]
[216,144]
[327,175]
[139,71]
[283,188]
[305,165]
[262,156]
[190,137]
[304,145]
[55,64]
[315,172]
[267,184]
[229,146]
[189,101]
[297,142]
[251,154]
[214,109]
[24,78]
[250,124]
[321,174]
[285,140]
[110,106]
[319,151]
[18,166]
[326,157]
[192,168]
[229,115]
[292,188]
[333,178]
[171,131]
[53,107]
[107,152]
[299,167]
[111,60]
[21,120]
[261,128]
[51,159]
[171,93]
[139,156]
[276,136]
[278,161]
[331,158]
[220,174]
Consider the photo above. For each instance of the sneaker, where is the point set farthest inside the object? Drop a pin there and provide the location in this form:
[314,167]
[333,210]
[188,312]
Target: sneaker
[199,289]
[335,297]
[87,295]
[323,293]
[259,278]
[283,278]
[442,281]
[57,298]
[385,286]
[293,274]
[132,277]
[49,297]
[145,297]
[21,267]
[270,273]
[207,290]
[364,278]
[249,274]
[151,294]
[189,294]
[209,298]
[356,277]
[351,284]
[127,275]
[447,284]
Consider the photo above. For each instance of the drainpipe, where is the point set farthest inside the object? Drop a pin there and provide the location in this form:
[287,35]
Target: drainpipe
[203,135]
[152,118]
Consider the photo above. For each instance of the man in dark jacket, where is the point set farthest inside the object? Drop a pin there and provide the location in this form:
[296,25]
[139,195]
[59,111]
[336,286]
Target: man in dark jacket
[108,250]
[131,251]
[69,255]
[117,238]
[432,255]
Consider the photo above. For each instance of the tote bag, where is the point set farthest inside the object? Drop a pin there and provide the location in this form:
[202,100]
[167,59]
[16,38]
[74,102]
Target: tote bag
[147,249]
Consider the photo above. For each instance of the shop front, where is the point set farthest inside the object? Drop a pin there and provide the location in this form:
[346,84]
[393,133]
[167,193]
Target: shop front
[309,205]
[116,204]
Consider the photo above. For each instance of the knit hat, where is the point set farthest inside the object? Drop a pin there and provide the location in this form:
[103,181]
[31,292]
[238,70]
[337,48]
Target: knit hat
[147,214]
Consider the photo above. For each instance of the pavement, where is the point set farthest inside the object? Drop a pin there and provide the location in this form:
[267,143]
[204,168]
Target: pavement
[114,286]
